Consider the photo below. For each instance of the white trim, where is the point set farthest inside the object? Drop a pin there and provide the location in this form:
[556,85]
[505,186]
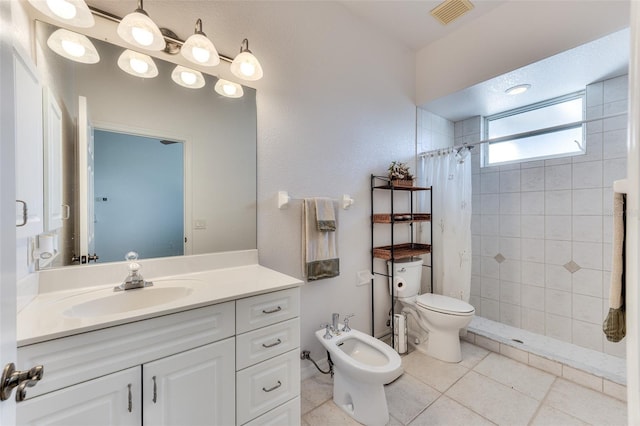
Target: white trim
[633,225]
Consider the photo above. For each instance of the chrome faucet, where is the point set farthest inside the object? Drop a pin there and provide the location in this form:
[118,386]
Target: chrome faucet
[334,322]
[327,332]
[134,279]
[346,327]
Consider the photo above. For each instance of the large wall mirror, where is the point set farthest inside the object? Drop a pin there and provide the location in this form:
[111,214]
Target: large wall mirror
[205,199]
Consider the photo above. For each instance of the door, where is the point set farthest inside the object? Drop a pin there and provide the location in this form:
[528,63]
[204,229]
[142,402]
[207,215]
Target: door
[53,213]
[196,387]
[86,217]
[28,148]
[113,399]
[7,212]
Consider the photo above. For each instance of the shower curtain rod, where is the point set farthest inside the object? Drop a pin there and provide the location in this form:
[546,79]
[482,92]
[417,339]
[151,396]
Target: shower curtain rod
[522,135]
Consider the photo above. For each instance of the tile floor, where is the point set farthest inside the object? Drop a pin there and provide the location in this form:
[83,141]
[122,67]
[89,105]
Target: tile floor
[484,389]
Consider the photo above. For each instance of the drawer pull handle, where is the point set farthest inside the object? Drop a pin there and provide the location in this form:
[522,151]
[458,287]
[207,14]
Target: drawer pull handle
[155,390]
[273,388]
[130,408]
[272,311]
[276,343]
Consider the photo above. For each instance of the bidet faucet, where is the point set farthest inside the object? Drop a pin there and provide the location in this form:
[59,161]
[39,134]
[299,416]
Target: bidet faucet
[346,327]
[134,279]
[334,321]
[327,331]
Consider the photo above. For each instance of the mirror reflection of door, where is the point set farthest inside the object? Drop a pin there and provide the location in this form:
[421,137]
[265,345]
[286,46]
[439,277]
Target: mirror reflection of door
[85,231]
[138,196]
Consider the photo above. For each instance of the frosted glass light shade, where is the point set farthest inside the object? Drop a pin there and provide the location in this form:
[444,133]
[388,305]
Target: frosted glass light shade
[246,66]
[73,46]
[72,12]
[200,50]
[139,30]
[137,64]
[186,77]
[228,88]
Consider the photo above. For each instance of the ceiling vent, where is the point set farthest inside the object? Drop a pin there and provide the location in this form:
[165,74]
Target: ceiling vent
[450,10]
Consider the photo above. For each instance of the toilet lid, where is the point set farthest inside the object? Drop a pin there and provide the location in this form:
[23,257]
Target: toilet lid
[444,304]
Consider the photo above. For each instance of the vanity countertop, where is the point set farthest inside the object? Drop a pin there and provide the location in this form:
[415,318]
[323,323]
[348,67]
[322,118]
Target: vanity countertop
[67,312]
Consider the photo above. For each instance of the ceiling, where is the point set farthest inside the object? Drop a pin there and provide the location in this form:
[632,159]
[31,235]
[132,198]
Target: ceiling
[557,75]
[409,22]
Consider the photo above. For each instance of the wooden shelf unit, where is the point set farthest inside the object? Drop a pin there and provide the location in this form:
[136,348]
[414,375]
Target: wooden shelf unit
[396,251]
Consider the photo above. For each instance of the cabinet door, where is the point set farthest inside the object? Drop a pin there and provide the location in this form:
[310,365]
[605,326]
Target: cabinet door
[28,107]
[196,387]
[110,400]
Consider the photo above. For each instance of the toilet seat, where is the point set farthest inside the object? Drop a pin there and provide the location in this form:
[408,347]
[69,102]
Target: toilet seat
[444,304]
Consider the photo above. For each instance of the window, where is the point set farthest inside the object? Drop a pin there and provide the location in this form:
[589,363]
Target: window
[548,129]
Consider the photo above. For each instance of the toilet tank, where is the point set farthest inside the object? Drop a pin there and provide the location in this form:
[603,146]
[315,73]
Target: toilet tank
[407,274]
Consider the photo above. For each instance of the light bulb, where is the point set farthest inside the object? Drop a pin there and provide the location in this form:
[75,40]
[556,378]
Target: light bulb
[247,68]
[74,49]
[229,89]
[188,78]
[62,8]
[201,55]
[138,65]
[143,36]
[74,46]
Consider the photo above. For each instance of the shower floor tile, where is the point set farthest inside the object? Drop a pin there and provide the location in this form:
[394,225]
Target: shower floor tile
[484,389]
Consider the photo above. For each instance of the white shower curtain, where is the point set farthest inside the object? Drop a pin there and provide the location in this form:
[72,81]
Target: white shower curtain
[449,173]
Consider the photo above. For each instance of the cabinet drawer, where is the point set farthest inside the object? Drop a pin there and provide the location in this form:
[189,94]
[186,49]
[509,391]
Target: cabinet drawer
[286,414]
[266,309]
[264,386]
[267,342]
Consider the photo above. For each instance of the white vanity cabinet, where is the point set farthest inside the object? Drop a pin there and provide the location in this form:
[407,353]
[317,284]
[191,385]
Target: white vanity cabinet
[191,354]
[267,359]
[230,363]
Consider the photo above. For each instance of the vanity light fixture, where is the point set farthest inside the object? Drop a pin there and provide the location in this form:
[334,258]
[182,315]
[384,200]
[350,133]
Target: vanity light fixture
[228,88]
[139,30]
[199,49]
[73,46]
[137,64]
[245,65]
[72,12]
[517,90]
[186,77]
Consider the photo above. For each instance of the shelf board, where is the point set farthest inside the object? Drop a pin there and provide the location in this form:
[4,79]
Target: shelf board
[401,217]
[401,251]
[403,188]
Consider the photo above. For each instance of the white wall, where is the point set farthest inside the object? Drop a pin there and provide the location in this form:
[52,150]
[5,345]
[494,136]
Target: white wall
[513,35]
[336,106]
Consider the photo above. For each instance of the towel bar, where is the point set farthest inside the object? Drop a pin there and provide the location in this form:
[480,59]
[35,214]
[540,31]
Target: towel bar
[284,199]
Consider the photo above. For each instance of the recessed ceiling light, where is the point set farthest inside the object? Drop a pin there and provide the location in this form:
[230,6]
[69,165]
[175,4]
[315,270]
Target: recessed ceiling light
[516,90]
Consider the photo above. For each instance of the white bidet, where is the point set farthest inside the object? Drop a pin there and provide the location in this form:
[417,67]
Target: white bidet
[362,366]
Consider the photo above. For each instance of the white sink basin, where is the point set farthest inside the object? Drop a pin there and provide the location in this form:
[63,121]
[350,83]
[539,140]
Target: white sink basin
[129,300]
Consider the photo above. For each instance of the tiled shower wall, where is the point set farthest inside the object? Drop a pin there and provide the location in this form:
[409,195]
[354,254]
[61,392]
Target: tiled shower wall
[542,230]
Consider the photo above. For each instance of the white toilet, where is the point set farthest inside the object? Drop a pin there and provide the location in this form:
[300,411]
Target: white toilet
[362,366]
[441,316]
